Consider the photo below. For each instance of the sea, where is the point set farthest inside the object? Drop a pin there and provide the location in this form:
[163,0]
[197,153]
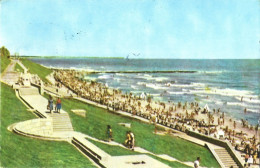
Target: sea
[229,84]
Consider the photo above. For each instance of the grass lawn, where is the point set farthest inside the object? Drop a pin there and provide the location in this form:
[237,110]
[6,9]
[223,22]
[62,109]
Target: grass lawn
[119,151]
[113,150]
[35,68]
[97,120]
[20,151]
[18,68]
[4,63]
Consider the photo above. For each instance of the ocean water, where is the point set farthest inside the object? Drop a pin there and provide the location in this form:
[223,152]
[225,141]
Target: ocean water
[217,83]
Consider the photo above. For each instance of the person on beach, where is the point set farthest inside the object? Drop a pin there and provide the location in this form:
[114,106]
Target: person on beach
[197,163]
[246,158]
[58,105]
[254,157]
[245,110]
[250,160]
[109,133]
[50,104]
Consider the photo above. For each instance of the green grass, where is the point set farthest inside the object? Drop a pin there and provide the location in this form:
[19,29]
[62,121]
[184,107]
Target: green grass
[119,151]
[4,63]
[113,150]
[35,68]
[18,68]
[97,120]
[20,151]
[169,163]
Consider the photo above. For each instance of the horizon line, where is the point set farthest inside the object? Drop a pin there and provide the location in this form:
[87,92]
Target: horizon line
[108,57]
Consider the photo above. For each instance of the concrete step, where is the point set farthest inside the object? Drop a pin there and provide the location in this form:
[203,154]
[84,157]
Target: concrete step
[89,149]
[229,161]
[225,158]
[61,122]
[63,125]
[29,91]
[67,130]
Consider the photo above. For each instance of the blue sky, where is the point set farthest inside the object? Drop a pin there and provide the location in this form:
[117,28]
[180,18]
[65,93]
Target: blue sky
[116,28]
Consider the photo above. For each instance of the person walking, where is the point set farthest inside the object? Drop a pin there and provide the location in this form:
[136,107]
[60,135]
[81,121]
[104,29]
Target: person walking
[50,104]
[109,133]
[197,163]
[58,105]
[128,139]
[132,140]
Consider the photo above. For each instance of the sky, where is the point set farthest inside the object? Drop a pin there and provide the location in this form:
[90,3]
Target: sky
[198,29]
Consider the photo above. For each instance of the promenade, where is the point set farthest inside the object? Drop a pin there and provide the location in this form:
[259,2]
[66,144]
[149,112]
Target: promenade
[57,126]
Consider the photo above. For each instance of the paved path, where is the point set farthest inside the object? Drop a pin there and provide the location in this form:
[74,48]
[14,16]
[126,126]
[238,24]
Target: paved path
[24,68]
[10,76]
[60,121]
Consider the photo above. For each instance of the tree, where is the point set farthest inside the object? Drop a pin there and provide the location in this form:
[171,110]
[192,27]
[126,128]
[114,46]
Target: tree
[5,52]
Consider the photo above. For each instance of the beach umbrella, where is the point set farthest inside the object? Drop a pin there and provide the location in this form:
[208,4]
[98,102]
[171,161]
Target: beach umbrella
[206,107]
[143,96]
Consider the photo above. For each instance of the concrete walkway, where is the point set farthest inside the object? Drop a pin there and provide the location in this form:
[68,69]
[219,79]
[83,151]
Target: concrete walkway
[10,76]
[61,127]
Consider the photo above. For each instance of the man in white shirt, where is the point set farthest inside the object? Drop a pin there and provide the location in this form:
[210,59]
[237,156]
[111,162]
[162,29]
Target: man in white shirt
[197,163]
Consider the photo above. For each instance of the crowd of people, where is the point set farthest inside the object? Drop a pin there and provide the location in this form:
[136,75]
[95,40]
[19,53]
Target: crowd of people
[176,115]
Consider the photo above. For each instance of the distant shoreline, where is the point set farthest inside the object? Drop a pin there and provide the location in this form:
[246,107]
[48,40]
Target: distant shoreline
[102,57]
[129,72]
[69,57]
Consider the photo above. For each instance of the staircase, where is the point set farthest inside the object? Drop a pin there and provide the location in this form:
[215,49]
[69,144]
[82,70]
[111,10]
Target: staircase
[11,77]
[61,122]
[225,158]
[29,91]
